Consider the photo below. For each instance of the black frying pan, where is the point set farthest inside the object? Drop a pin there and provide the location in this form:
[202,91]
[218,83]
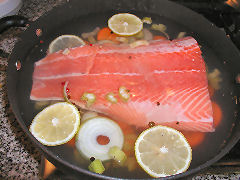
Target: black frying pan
[79,16]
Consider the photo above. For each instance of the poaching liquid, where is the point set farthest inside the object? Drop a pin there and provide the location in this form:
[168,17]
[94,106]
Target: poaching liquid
[204,145]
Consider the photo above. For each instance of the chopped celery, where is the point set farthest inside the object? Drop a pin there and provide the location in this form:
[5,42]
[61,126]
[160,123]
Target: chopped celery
[90,98]
[124,93]
[147,20]
[66,51]
[159,27]
[117,154]
[181,35]
[96,166]
[111,98]
[214,79]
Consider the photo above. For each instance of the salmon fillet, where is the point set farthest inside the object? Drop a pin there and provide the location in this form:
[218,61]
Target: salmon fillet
[166,79]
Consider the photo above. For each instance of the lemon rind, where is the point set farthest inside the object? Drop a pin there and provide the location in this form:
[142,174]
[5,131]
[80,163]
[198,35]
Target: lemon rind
[70,136]
[146,168]
[125,34]
[51,45]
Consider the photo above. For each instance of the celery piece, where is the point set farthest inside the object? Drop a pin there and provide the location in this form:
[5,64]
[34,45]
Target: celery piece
[90,98]
[111,98]
[159,27]
[117,154]
[96,166]
[147,20]
[124,93]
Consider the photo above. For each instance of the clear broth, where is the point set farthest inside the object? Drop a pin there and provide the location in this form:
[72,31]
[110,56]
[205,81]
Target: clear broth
[224,97]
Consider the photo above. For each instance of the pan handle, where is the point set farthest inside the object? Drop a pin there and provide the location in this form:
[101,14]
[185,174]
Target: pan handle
[11,21]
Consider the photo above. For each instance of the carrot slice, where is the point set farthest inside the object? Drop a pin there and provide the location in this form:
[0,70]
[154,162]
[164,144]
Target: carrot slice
[71,142]
[217,114]
[103,140]
[106,34]
[159,38]
[211,91]
[130,137]
[194,138]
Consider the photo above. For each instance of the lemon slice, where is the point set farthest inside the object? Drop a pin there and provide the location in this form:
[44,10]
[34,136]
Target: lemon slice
[125,24]
[162,151]
[64,42]
[56,124]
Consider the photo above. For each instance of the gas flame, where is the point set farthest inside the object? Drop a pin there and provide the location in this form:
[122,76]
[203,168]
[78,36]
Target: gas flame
[233,3]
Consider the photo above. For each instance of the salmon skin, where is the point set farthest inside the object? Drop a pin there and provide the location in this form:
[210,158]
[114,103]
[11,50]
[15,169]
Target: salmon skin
[166,81]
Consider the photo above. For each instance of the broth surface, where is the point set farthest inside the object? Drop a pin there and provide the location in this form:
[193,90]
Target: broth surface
[224,97]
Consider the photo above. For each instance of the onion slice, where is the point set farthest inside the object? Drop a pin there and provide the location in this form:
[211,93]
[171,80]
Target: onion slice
[181,35]
[148,36]
[88,115]
[65,95]
[92,33]
[86,139]
[139,43]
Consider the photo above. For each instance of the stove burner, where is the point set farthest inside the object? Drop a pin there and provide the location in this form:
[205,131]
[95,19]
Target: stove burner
[220,13]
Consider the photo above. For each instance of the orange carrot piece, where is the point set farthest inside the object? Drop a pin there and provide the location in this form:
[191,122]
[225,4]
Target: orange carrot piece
[217,114]
[159,37]
[211,91]
[106,34]
[48,169]
[130,137]
[194,138]
[103,140]
[71,142]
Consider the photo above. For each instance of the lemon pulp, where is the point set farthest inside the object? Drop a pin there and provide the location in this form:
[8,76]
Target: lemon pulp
[65,41]
[125,24]
[162,151]
[56,124]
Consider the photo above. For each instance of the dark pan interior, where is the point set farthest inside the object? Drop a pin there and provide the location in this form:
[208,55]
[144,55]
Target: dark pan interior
[76,17]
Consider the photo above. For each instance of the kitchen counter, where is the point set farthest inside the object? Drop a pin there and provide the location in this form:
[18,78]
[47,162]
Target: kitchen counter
[19,159]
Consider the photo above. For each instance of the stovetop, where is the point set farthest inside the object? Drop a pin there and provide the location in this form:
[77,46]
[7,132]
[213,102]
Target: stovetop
[223,13]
